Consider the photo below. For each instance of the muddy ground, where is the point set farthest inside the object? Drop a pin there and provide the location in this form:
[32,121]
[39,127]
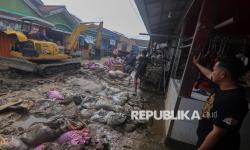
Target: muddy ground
[92,100]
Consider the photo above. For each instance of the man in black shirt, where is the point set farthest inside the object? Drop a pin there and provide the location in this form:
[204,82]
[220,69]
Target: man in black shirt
[141,68]
[225,109]
[130,61]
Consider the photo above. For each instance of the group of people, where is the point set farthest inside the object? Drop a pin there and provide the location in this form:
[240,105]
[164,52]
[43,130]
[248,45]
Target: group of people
[131,63]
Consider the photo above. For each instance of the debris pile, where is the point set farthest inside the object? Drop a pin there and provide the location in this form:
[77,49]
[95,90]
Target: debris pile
[90,109]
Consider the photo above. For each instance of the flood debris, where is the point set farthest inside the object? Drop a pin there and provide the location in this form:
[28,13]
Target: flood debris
[12,143]
[75,137]
[38,134]
[89,109]
[55,95]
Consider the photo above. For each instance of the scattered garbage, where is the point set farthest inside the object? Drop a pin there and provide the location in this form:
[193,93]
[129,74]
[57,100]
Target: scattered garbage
[11,143]
[115,118]
[112,74]
[116,74]
[108,105]
[69,112]
[119,100]
[38,134]
[55,95]
[75,137]
[5,106]
[26,121]
[120,74]
[99,116]
[90,65]
[87,113]
[20,106]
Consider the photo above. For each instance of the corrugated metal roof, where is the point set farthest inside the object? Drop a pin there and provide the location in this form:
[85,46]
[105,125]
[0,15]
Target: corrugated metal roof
[45,9]
[162,16]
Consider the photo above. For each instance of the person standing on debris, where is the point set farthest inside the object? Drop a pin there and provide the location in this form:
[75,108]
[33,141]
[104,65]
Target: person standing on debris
[141,68]
[129,61]
[225,109]
[115,52]
[92,53]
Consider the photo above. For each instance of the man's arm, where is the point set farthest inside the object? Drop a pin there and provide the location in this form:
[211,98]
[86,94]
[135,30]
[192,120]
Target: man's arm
[212,138]
[205,71]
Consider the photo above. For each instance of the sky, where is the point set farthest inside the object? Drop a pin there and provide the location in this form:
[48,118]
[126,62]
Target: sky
[118,15]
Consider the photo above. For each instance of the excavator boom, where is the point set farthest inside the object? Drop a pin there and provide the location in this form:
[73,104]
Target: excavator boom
[73,38]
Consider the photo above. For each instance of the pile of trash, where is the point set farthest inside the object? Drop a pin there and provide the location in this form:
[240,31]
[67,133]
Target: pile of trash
[110,62]
[65,114]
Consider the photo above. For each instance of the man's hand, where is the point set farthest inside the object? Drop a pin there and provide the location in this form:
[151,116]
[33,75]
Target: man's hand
[205,71]
[196,59]
[212,138]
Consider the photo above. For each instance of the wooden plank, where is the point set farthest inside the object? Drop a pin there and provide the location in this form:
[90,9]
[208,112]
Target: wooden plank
[185,46]
[5,106]
[225,23]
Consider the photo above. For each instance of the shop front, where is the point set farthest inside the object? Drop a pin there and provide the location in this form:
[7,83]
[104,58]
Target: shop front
[213,29]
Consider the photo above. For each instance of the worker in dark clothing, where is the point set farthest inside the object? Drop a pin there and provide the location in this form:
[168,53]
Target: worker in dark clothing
[141,68]
[225,109]
[40,35]
[129,61]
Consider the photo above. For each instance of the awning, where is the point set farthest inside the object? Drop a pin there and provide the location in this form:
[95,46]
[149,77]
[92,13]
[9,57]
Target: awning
[162,16]
[37,21]
[20,36]
[61,31]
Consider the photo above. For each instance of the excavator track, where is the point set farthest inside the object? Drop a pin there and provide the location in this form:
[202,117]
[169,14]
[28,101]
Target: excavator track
[57,68]
[42,69]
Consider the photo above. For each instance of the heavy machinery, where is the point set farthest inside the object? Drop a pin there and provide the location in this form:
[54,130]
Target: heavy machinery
[44,57]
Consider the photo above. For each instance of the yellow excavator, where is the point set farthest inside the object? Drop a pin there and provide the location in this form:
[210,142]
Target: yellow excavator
[44,57]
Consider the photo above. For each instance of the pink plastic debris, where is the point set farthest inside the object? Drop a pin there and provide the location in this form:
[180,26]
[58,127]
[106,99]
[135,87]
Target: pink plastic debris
[93,66]
[55,95]
[90,65]
[75,137]
[40,147]
[86,130]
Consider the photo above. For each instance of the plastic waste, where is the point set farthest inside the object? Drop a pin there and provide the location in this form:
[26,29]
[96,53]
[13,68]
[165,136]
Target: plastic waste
[75,137]
[55,95]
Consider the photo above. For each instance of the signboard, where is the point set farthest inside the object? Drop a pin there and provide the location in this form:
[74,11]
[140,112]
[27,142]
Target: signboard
[112,42]
[89,39]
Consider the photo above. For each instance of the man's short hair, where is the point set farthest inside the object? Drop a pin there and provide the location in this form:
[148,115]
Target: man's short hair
[234,66]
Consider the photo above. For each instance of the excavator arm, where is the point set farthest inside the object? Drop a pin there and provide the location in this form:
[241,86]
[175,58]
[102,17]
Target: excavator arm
[73,38]
[99,36]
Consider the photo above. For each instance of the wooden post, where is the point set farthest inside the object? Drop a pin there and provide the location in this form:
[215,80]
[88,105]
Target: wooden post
[176,55]
[204,26]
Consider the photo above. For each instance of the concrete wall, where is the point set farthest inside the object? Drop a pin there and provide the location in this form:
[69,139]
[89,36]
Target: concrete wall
[245,132]
[185,130]
[170,102]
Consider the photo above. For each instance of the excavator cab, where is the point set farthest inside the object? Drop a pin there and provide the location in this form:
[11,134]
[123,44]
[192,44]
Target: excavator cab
[38,51]
[27,49]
